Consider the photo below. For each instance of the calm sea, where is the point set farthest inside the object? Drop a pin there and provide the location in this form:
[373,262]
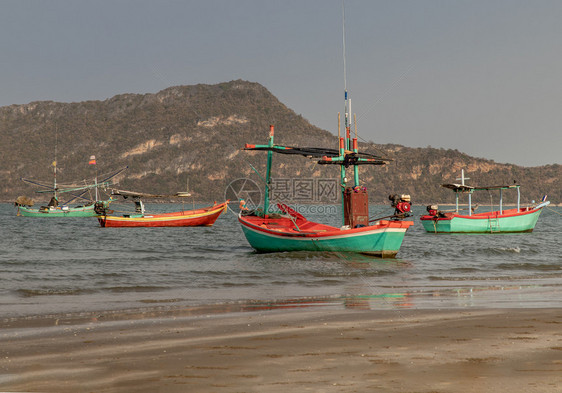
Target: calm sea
[51,266]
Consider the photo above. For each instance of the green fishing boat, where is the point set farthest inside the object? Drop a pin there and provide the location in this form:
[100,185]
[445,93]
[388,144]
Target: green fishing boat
[88,210]
[76,193]
[284,229]
[516,220]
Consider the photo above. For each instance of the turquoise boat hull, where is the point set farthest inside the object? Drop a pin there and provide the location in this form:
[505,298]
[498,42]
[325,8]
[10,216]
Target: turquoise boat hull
[383,240]
[58,212]
[511,221]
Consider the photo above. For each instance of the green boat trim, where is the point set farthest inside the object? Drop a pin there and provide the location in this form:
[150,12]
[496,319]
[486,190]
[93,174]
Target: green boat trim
[88,210]
[268,230]
[511,221]
[382,239]
[518,220]
[54,208]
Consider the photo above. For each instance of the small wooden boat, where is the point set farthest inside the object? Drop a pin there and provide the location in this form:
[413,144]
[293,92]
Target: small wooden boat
[519,219]
[56,209]
[205,216]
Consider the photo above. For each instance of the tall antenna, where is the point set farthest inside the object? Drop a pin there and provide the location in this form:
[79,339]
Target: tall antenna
[347,113]
[343,37]
[55,162]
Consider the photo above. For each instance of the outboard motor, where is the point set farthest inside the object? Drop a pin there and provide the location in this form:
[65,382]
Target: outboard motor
[432,210]
[99,208]
[401,204]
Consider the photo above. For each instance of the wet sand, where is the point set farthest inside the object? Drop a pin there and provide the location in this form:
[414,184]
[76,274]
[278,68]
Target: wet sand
[305,350]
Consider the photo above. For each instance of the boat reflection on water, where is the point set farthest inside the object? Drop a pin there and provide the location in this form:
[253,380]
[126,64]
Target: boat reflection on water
[500,296]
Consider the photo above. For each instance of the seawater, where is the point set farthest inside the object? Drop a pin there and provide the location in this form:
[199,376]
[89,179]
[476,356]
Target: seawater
[72,265]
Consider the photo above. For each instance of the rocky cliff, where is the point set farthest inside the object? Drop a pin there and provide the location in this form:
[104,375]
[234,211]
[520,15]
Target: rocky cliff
[193,134]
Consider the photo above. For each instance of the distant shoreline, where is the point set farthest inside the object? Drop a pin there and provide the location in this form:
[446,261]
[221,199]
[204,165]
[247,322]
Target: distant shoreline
[178,201]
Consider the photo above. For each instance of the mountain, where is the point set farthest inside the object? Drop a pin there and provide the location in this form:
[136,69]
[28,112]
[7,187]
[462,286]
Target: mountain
[194,134]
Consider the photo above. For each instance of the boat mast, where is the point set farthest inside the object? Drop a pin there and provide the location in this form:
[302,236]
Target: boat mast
[96,183]
[355,150]
[462,179]
[350,143]
[55,164]
[501,201]
[341,151]
[354,202]
[343,141]
[268,171]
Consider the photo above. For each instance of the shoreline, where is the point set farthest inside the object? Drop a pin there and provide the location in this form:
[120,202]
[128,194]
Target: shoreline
[317,349]
[162,201]
[498,296]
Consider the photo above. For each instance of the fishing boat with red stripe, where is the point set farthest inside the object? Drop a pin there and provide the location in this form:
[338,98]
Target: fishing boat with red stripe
[205,216]
[277,232]
[284,229]
[514,220]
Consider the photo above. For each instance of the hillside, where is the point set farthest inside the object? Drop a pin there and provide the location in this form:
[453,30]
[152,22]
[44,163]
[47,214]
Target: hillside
[194,133]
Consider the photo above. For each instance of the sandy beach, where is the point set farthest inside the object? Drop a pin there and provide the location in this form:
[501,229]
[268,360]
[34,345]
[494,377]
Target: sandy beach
[315,350]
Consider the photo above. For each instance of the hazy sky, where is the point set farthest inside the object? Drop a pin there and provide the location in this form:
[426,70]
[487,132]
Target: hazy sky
[481,76]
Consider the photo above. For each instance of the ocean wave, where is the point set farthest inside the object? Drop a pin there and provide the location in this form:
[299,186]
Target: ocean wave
[53,292]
